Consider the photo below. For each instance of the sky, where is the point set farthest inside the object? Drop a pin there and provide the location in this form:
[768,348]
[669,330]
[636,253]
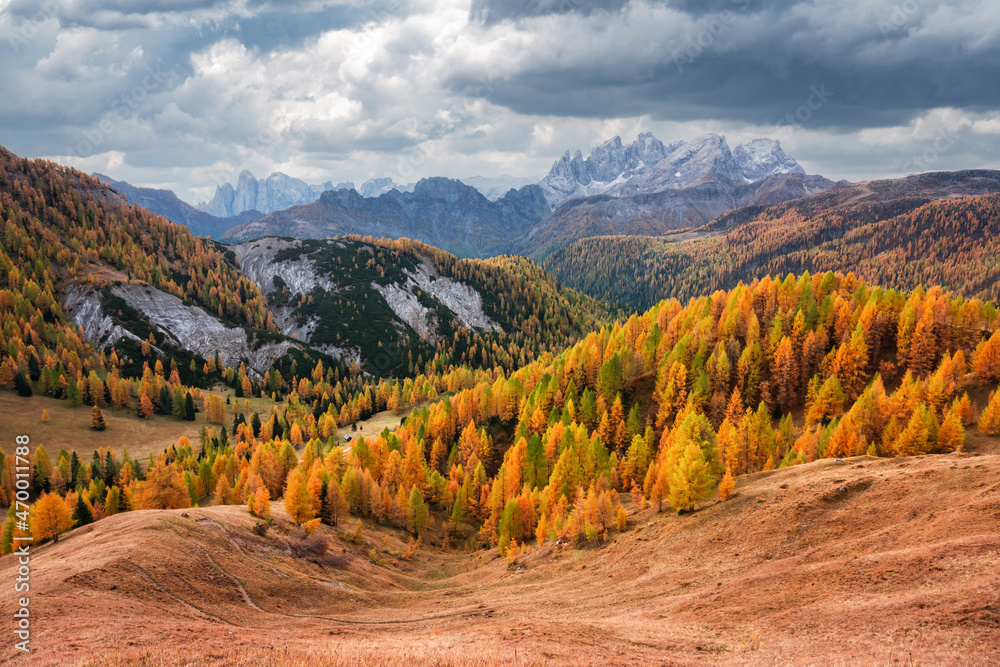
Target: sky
[185,94]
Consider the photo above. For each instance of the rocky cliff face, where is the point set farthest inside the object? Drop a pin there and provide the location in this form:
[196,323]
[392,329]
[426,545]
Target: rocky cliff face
[257,261]
[762,158]
[374,187]
[440,211]
[324,293]
[184,326]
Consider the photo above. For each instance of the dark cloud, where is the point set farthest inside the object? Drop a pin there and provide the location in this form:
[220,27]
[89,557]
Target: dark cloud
[490,12]
[279,29]
[754,61]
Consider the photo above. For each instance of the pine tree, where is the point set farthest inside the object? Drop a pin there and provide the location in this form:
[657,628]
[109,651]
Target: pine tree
[112,501]
[189,411]
[297,498]
[417,514]
[22,385]
[82,515]
[621,520]
[223,492]
[989,422]
[145,407]
[260,505]
[97,419]
[690,480]
[987,360]
[951,435]
[41,472]
[335,507]
[163,488]
[726,486]
[510,528]
[913,440]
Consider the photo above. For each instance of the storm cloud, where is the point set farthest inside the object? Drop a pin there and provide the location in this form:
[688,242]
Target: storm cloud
[183,93]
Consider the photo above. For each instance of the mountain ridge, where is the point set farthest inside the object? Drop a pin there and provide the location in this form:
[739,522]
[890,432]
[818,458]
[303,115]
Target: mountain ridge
[171,207]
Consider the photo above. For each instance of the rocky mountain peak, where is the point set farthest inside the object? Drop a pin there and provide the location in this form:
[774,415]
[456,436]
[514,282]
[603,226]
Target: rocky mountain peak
[763,157]
[647,165]
[276,192]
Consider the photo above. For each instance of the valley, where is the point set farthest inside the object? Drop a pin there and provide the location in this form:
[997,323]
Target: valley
[899,567]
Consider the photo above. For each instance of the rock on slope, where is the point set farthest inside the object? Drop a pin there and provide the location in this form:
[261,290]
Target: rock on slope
[869,561]
[185,326]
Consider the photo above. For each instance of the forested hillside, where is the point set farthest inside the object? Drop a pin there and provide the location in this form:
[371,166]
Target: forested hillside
[904,242]
[65,232]
[108,307]
[669,405]
[402,307]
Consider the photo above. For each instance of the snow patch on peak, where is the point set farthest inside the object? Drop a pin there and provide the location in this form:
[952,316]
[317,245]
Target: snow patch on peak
[764,157]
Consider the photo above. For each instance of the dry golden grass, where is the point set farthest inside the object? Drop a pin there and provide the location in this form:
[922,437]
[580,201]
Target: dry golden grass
[374,425]
[69,428]
[902,568]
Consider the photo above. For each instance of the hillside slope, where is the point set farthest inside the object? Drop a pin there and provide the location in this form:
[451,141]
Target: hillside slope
[661,212]
[77,254]
[888,561]
[171,207]
[936,228]
[397,306]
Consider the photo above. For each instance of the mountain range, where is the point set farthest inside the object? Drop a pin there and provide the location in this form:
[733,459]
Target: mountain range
[945,223]
[644,187]
[265,195]
[441,211]
[647,165]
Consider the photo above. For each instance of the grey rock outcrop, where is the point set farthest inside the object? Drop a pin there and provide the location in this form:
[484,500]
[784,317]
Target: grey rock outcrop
[257,261]
[185,326]
[762,158]
[277,191]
